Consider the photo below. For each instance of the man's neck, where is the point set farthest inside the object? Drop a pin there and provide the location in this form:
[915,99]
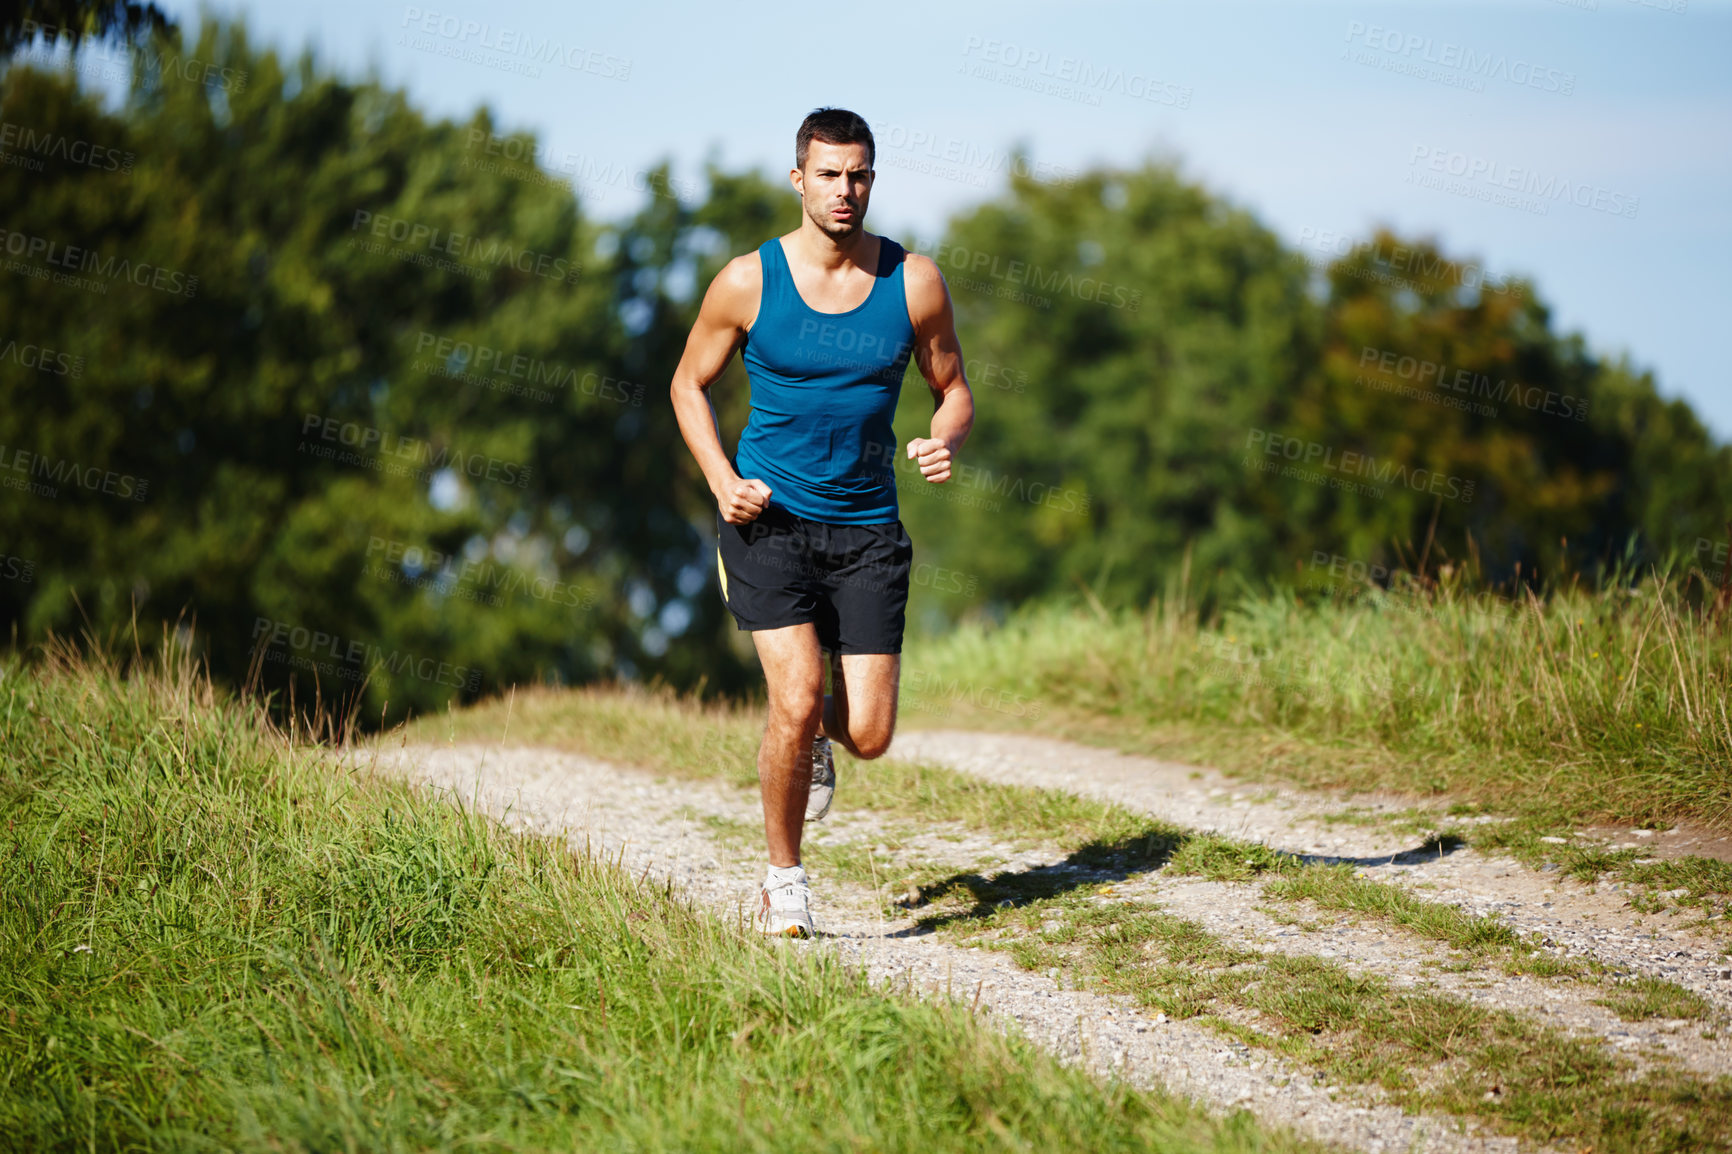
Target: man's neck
[829,253]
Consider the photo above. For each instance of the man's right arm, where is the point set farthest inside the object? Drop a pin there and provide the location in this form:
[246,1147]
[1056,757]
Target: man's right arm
[730,305]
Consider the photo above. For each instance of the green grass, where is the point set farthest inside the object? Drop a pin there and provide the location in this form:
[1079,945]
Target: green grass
[1644,998]
[215,938]
[1338,888]
[1429,1052]
[1580,708]
[1698,883]
[1434,1052]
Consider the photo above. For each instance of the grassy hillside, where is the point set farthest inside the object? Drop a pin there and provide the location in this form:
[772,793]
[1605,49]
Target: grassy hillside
[1613,705]
[214,936]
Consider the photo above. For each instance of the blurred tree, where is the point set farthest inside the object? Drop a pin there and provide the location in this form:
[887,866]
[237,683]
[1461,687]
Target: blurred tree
[76,21]
[1123,333]
[1138,347]
[373,380]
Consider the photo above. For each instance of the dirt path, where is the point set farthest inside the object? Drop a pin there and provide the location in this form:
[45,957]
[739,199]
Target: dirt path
[690,832]
[1582,920]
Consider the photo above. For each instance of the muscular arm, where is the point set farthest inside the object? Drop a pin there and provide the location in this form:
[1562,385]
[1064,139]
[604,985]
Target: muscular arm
[939,356]
[730,305]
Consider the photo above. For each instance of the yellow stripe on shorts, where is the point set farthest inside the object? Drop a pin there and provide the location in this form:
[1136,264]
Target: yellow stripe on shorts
[722,572]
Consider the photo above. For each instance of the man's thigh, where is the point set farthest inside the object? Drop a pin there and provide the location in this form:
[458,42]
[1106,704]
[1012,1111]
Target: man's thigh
[793,665]
[867,683]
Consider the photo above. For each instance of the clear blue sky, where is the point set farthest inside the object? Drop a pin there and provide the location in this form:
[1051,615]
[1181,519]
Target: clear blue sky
[1313,116]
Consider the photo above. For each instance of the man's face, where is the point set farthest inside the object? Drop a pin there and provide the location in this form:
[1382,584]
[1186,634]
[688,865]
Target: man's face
[835,187]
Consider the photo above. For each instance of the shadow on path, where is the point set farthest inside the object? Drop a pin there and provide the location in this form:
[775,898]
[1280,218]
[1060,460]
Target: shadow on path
[1204,854]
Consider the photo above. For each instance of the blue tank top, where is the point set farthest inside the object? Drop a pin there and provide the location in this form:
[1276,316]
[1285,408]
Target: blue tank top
[824,389]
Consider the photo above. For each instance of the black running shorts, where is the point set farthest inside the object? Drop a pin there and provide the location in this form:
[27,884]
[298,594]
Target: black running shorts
[851,581]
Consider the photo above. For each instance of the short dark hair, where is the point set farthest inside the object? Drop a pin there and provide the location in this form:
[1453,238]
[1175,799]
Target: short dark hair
[833,126]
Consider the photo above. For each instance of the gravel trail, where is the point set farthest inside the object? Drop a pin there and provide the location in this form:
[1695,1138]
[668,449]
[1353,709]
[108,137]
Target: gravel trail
[1582,920]
[671,828]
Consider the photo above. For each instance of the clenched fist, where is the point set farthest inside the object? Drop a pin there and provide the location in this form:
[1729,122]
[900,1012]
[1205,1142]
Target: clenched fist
[934,457]
[742,501]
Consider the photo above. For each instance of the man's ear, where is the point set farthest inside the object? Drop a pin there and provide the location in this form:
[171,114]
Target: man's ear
[798,180]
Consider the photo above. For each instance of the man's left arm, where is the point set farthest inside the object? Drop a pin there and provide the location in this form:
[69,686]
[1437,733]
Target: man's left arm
[939,357]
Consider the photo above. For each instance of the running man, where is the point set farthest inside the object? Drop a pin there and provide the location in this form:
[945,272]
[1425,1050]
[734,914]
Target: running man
[811,555]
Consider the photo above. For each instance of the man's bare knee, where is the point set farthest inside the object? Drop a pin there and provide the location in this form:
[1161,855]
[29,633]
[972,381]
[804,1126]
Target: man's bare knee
[870,745]
[797,710]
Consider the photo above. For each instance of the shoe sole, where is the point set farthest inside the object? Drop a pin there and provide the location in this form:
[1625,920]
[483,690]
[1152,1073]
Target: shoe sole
[789,931]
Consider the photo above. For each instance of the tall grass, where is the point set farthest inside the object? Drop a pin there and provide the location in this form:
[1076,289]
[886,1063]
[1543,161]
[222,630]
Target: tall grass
[215,936]
[1606,704]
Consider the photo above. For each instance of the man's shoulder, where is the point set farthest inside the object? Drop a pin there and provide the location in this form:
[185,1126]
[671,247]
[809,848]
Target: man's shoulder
[919,266]
[924,283]
[736,287]
[744,271]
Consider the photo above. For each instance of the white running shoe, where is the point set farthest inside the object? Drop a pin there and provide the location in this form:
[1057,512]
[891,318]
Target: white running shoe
[784,904]
[823,789]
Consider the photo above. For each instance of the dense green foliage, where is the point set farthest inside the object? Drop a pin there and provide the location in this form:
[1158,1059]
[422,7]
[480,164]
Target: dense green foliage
[1112,439]
[370,397]
[282,426]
